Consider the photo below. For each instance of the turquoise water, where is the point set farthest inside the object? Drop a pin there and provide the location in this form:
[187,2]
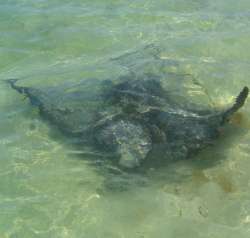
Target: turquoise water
[48,190]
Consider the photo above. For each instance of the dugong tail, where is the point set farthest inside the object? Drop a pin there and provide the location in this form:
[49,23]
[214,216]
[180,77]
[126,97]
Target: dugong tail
[239,102]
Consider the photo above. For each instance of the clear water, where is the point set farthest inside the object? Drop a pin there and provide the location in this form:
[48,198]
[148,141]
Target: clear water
[47,190]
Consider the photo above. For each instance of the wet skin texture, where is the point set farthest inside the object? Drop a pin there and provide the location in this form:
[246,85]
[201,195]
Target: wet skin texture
[132,118]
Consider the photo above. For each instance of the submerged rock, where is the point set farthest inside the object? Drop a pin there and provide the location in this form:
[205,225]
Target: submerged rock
[134,115]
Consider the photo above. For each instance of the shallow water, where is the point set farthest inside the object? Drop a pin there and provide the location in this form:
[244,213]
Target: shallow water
[48,190]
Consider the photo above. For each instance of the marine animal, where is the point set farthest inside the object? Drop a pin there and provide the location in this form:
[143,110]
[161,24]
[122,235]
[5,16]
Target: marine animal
[136,115]
[131,117]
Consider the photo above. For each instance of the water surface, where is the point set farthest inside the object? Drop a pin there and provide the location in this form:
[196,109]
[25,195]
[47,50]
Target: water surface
[48,190]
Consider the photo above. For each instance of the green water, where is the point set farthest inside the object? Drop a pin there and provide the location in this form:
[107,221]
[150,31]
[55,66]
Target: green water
[47,190]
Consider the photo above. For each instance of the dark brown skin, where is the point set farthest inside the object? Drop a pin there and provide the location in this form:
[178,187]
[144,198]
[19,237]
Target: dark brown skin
[132,133]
